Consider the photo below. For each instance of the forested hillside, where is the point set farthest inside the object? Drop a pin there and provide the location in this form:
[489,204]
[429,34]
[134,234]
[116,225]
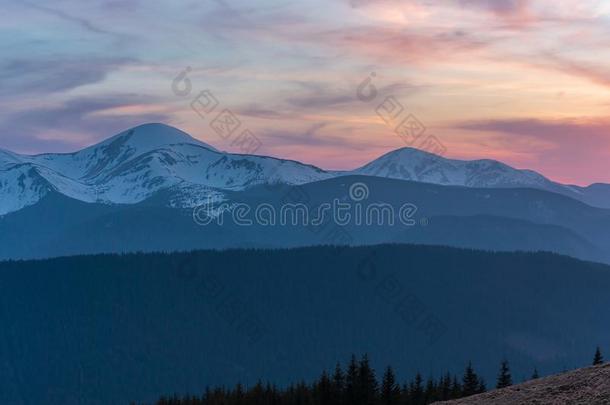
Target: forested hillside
[111,329]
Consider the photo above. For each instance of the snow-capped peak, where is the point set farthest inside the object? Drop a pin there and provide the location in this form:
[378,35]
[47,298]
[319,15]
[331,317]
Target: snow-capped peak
[100,159]
[140,162]
[416,165]
[147,137]
[8,159]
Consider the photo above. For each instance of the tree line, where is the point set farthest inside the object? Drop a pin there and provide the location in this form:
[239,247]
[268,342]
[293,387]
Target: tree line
[357,384]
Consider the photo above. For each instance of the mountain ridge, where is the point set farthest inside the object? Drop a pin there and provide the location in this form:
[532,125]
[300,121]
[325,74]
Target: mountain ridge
[486,219]
[133,165]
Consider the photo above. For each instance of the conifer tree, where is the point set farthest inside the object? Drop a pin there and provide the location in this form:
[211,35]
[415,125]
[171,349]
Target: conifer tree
[535,374]
[456,389]
[416,390]
[444,389]
[323,390]
[430,392]
[368,385]
[504,377]
[470,381]
[598,358]
[338,385]
[238,393]
[352,389]
[302,394]
[405,397]
[390,391]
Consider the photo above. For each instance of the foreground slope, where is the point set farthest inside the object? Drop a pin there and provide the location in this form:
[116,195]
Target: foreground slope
[110,329]
[586,386]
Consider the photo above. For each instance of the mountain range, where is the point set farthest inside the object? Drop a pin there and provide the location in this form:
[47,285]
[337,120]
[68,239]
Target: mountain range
[109,329]
[138,163]
[136,191]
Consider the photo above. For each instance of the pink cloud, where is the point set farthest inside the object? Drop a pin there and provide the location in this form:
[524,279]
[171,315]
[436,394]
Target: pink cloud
[568,150]
[393,45]
[592,72]
[518,11]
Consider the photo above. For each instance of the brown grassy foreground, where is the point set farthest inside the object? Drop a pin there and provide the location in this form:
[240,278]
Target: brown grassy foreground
[588,386]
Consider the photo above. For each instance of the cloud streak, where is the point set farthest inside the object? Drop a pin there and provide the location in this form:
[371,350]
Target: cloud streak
[42,76]
[82,22]
[573,148]
[73,124]
[75,72]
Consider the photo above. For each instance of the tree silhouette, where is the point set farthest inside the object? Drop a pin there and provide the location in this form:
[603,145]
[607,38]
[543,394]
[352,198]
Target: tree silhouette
[470,381]
[504,377]
[444,389]
[416,390]
[323,390]
[359,380]
[598,358]
[390,391]
[338,385]
[456,388]
[352,382]
[368,382]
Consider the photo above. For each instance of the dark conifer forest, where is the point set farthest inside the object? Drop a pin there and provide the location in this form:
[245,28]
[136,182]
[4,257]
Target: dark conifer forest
[111,329]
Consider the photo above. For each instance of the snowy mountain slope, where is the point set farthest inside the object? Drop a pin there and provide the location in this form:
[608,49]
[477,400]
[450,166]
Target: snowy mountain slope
[136,164]
[21,185]
[98,160]
[416,165]
[8,159]
[597,194]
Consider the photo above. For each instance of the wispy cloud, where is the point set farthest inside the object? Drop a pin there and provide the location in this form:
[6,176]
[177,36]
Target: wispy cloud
[73,72]
[518,11]
[75,123]
[84,23]
[54,74]
[324,97]
[318,135]
[596,73]
[570,149]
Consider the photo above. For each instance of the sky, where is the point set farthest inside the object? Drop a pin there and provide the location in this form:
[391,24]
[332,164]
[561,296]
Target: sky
[526,82]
